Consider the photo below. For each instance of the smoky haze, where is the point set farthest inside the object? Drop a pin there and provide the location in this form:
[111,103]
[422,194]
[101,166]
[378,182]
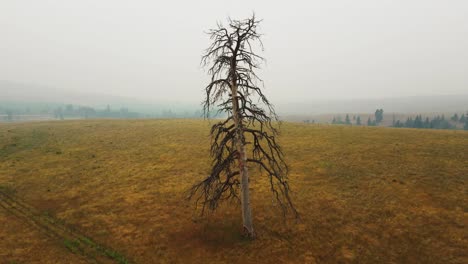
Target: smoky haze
[315,50]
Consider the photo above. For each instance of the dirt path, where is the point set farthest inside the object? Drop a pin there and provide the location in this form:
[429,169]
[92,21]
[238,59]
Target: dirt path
[55,229]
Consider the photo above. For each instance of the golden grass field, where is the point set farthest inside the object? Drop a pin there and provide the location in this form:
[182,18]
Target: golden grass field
[365,194]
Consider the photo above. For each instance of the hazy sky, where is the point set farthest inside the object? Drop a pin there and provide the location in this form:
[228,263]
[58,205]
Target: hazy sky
[314,49]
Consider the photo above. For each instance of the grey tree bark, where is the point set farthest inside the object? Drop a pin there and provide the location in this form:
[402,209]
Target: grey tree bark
[243,169]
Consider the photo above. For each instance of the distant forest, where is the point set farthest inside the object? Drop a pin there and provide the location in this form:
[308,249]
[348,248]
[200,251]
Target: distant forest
[32,111]
[438,122]
[457,121]
[25,112]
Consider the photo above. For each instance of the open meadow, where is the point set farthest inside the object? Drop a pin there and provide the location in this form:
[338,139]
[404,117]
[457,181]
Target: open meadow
[105,191]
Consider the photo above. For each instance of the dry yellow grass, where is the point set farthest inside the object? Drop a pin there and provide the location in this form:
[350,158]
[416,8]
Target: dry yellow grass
[366,195]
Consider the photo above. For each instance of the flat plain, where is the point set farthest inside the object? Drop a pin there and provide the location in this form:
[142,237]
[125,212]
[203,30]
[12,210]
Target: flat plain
[107,191]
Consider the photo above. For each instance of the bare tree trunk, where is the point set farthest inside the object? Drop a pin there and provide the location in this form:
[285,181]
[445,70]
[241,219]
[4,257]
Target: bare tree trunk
[244,172]
[245,195]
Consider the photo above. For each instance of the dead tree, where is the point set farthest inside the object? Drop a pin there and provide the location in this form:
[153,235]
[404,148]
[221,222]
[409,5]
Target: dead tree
[248,135]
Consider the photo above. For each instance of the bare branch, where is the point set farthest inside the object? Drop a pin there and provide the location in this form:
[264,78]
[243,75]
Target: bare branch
[234,90]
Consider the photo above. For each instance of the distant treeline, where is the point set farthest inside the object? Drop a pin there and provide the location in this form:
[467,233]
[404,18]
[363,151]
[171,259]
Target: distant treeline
[70,111]
[378,117]
[438,122]
[25,112]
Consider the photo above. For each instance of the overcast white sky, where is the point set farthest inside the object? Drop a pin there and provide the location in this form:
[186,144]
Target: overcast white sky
[314,49]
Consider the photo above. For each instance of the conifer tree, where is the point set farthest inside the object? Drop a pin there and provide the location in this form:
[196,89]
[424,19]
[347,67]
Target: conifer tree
[347,120]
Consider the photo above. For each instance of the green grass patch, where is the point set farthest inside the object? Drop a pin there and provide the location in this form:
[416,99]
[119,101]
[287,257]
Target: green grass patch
[73,245]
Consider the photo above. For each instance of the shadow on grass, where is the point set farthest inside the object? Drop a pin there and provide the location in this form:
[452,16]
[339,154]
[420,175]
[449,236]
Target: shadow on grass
[211,233]
[221,232]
